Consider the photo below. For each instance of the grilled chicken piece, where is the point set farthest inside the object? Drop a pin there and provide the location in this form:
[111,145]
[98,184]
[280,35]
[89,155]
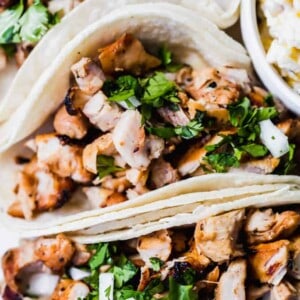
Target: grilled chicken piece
[81,255]
[195,259]
[144,279]
[55,253]
[184,77]
[283,291]
[73,126]
[216,237]
[103,114]
[60,158]
[119,184]
[174,117]
[135,176]
[269,261]
[130,140]
[88,75]
[294,248]
[210,86]
[3,57]
[194,157]
[157,244]
[154,146]
[258,96]
[97,196]
[290,127]
[162,173]
[127,54]
[232,282]
[138,190]
[265,226]
[23,50]
[68,289]
[265,165]
[101,146]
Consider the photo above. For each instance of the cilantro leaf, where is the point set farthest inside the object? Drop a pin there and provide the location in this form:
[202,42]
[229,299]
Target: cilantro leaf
[162,132]
[156,263]
[220,162]
[165,55]
[239,112]
[191,130]
[100,257]
[181,292]
[255,150]
[106,165]
[9,24]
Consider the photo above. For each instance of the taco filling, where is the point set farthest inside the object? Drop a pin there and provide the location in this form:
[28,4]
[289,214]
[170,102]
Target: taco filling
[242,254]
[133,121]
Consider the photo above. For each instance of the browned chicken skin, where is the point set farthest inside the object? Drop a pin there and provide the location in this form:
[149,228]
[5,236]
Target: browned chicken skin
[127,54]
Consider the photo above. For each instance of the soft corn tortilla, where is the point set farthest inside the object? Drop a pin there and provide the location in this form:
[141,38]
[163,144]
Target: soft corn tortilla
[193,40]
[278,198]
[221,12]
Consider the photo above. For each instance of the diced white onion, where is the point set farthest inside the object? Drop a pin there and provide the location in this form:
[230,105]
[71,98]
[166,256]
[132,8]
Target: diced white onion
[106,286]
[77,274]
[42,284]
[273,138]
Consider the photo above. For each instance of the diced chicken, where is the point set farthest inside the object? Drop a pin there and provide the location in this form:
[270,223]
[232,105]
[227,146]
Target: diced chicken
[194,157]
[62,159]
[97,196]
[257,96]
[290,127]
[81,255]
[114,198]
[174,117]
[184,77]
[210,86]
[138,190]
[68,289]
[265,165]
[55,253]
[294,248]
[154,146]
[73,126]
[265,226]
[232,282]
[135,176]
[214,275]
[103,114]
[88,75]
[157,244]
[129,139]
[23,50]
[216,237]
[127,54]
[144,279]
[195,259]
[162,173]
[15,210]
[119,184]
[101,146]
[75,100]
[269,261]
[3,57]
[284,291]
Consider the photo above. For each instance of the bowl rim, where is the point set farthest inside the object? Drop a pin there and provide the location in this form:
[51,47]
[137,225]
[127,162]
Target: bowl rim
[266,72]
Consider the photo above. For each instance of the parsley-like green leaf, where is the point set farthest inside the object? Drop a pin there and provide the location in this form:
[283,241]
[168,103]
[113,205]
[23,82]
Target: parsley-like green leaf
[181,292]
[266,113]
[220,162]
[165,55]
[239,112]
[255,150]
[100,257]
[163,132]
[156,263]
[106,166]
[9,24]
[191,130]
[107,291]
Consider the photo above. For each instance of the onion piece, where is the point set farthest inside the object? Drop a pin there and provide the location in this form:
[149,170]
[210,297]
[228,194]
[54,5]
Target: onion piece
[42,284]
[273,138]
[78,274]
[106,286]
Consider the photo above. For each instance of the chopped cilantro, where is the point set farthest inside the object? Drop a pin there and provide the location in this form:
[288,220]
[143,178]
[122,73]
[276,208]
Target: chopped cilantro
[106,166]
[255,150]
[220,162]
[156,263]
[100,257]
[165,55]
[123,273]
[107,291]
[191,130]
[181,292]
[162,132]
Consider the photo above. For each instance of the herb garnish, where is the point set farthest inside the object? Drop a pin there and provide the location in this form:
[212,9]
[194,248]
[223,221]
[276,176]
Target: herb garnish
[106,166]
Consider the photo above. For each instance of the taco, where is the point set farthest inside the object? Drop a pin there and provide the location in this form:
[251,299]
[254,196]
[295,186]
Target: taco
[244,253]
[75,21]
[146,107]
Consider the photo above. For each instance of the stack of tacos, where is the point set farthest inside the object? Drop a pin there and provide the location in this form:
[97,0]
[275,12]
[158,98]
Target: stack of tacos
[148,122]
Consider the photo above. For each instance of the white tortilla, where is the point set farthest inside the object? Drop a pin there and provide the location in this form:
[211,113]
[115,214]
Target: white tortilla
[192,39]
[221,12]
[156,210]
[278,198]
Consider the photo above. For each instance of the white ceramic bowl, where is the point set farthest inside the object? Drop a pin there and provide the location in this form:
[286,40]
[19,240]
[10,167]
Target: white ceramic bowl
[267,73]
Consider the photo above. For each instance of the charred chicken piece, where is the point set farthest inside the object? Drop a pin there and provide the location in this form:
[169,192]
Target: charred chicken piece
[176,118]
[127,54]
[157,244]
[265,226]
[68,289]
[232,282]
[88,75]
[101,113]
[73,126]
[269,261]
[216,237]
[55,253]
